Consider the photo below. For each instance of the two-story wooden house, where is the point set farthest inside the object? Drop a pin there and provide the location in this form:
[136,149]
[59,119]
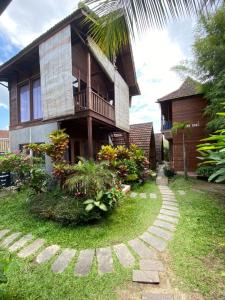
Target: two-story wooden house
[184,105]
[63,80]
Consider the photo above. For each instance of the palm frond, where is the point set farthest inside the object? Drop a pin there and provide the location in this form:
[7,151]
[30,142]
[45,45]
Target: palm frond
[117,20]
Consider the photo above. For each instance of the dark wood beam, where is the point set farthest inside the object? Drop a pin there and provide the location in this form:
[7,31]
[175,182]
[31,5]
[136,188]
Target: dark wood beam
[89,80]
[90,137]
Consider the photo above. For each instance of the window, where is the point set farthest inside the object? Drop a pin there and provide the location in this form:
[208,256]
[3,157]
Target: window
[36,96]
[24,103]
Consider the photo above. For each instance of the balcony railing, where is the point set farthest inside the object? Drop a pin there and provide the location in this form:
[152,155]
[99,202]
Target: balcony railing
[97,104]
[167,125]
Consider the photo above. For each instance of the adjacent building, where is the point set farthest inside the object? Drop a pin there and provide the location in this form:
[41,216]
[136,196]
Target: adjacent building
[159,147]
[186,104]
[63,80]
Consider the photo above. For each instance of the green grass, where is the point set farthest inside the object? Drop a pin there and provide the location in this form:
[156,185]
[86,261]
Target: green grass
[198,249]
[29,281]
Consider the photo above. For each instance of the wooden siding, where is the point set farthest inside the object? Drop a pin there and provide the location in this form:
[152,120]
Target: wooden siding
[191,110]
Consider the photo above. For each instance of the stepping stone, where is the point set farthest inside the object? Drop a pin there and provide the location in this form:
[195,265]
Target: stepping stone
[3,233]
[31,249]
[133,195]
[63,260]
[84,262]
[125,257]
[167,235]
[172,197]
[168,202]
[9,240]
[47,254]
[168,218]
[153,241]
[145,276]
[141,249]
[20,243]
[105,260]
[181,192]
[150,296]
[170,207]
[151,265]
[153,196]
[165,225]
[169,212]
[143,195]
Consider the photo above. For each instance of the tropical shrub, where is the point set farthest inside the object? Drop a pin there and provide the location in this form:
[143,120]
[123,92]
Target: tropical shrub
[58,205]
[213,152]
[129,163]
[89,178]
[205,171]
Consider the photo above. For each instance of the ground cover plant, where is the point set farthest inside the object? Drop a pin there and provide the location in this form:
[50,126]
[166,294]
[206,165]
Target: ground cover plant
[26,280]
[198,249]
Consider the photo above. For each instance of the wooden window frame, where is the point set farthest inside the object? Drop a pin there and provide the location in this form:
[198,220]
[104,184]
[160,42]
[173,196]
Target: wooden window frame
[28,82]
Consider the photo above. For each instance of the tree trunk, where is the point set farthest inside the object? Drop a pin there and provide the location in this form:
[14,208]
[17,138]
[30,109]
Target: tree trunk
[185,159]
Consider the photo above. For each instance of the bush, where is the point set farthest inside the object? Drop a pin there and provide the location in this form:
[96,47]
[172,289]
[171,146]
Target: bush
[205,171]
[89,178]
[129,163]
[169,172]
[59,206]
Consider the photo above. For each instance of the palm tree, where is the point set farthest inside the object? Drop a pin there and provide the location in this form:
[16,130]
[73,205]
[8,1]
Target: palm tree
[182,127]
[114,22]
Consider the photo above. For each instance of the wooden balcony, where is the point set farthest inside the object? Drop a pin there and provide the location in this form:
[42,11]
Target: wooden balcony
[166,129]
[97,104]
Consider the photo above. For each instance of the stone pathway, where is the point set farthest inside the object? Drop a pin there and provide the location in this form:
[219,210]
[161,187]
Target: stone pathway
[144,249]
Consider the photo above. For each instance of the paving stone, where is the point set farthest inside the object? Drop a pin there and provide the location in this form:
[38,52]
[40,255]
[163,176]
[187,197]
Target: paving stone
[153,241]
[105,260]
[145,276]
[165,225]
[170,207]
[168,202]
[150,296]
[63,260]
[167,235]
[31,249]
[143,195]
[170,197]
[47,254]
[125,257]
[181,192]
[141,249]
[168,218]
[153,196]
[3,232]
[20,243]
[169,212]
[151,265]
[84,262]
[133,195]
[10,239]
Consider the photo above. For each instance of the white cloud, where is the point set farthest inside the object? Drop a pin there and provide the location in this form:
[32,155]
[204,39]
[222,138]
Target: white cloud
[154,55]
[4,97]
[25,20]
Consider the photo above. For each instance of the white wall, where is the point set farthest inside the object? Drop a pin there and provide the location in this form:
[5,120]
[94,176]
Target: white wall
[121,88]
[56,75]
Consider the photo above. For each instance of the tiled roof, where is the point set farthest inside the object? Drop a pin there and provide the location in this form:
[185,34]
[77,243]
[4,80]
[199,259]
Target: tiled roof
[4,134]
[140,135]
[188,88]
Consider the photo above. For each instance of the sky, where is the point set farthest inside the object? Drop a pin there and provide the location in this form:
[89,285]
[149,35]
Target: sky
[155,53]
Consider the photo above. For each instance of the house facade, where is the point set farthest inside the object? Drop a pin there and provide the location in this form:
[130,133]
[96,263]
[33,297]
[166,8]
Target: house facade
[63,80]
[159,147]
[184,105]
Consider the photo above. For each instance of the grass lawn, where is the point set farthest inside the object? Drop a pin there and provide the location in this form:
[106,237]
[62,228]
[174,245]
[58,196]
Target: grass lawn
[29,281]
[198,248]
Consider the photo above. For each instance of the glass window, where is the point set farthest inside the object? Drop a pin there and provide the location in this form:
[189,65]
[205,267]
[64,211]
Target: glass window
[37,107]
[24,103]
